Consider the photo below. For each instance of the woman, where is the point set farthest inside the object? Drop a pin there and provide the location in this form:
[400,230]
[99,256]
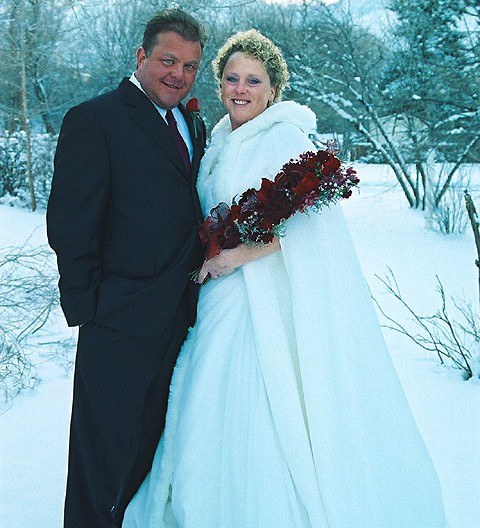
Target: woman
[285,410]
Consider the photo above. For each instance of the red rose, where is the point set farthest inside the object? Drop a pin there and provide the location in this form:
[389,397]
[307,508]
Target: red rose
[236,212]
[308,183]
[193,106]
[331,165]
[277,208]
[310,162]
[265,191]
[289,178]
[322,156]
[210,236]
[231,235]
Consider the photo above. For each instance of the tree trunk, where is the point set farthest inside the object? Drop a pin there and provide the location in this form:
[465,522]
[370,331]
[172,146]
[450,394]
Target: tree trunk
[459,161]
[24,111]
[472,214]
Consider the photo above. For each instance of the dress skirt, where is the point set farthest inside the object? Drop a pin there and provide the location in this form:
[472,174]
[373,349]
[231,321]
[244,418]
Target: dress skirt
[285,410]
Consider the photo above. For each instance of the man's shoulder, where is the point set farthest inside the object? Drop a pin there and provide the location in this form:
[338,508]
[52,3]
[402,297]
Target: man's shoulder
[103,99]
[100,107]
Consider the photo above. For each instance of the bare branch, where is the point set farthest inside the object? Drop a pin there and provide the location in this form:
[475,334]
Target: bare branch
[452,341]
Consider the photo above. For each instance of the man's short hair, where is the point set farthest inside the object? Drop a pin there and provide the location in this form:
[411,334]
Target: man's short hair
[176,20]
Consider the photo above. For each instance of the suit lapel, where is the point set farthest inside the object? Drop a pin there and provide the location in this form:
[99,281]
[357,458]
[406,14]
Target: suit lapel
[142,111]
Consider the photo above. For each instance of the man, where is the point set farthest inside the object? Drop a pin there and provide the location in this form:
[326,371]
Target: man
[122,218]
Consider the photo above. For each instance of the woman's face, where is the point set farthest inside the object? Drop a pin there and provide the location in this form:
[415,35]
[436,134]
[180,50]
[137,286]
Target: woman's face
[246,89]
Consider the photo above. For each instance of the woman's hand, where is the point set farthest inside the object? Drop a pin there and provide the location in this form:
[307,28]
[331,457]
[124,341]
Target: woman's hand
[222,264]
[228,260]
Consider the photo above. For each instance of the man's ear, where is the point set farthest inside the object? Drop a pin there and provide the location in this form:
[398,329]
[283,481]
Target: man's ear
[141,56]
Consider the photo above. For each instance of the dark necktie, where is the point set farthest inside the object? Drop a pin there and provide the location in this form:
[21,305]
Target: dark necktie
[182,148]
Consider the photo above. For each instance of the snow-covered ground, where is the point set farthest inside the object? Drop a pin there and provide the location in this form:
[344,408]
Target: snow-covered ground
[387,234]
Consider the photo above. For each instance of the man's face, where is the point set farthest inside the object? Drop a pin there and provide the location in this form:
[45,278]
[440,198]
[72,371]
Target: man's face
[168,74]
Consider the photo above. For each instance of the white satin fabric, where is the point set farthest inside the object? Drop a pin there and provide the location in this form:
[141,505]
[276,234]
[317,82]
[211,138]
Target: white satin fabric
[285,408]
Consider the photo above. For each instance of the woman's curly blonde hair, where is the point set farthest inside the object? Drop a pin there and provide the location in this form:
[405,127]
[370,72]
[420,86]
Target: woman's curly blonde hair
[255,45]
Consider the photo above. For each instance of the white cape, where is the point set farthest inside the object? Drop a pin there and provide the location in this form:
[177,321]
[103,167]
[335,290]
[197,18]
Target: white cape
[285,408]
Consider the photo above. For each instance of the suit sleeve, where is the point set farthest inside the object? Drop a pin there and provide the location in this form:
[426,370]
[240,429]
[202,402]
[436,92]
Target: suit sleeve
[76,210]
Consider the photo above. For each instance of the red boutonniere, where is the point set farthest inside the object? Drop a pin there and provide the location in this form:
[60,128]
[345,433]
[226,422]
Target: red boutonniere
[193,109]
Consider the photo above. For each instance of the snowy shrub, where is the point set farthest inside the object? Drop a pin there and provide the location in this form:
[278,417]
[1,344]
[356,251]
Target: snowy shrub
[454,339]
[28,294]
[15,368]
[13,167]
[449,216]
[12,164]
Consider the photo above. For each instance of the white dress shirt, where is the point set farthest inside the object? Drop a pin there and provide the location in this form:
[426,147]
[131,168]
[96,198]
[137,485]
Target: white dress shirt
[181,123]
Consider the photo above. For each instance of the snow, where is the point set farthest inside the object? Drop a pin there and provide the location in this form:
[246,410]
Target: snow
[386,234]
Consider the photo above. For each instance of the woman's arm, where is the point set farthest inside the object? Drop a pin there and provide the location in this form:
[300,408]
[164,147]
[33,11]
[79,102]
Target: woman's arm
[228,260]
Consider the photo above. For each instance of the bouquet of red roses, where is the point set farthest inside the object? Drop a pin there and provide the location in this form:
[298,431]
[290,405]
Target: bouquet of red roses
[310,182]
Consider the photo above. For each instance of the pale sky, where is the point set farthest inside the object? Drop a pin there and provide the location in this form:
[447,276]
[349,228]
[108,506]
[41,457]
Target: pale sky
[299,1]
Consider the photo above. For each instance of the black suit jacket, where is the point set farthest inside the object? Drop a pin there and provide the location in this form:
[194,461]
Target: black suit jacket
[123,214]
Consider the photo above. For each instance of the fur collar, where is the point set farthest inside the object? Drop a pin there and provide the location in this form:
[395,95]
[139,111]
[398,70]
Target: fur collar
[231,163]
[283,112]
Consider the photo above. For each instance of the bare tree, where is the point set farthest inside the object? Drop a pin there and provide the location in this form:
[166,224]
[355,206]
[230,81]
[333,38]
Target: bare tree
[360,85]
[432,76]
[359,77]
[27,53]
[24,111]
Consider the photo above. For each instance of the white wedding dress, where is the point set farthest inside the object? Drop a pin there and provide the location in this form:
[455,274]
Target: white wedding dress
[285,409]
